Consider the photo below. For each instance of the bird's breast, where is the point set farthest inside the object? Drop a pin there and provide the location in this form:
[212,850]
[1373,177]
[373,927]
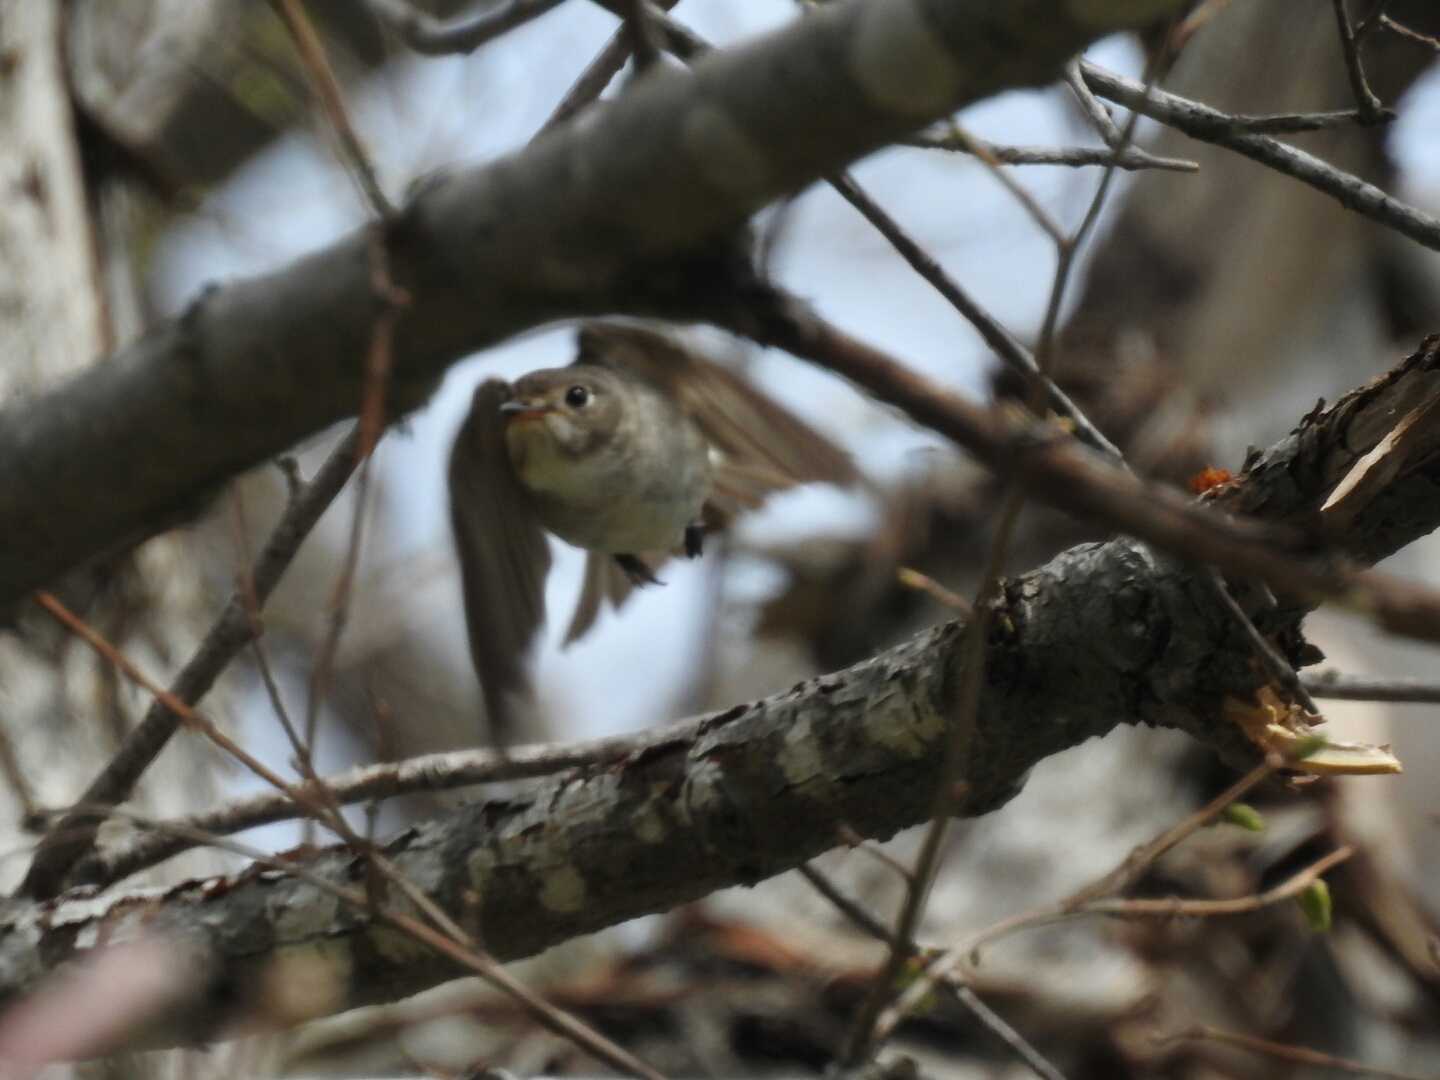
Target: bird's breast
[630,495]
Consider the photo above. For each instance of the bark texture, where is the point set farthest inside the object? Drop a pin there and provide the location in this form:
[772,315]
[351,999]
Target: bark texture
[601,215]
[1102,635]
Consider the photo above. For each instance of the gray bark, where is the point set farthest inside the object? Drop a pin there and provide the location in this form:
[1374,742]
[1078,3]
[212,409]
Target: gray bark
[1102,635]
[597,216]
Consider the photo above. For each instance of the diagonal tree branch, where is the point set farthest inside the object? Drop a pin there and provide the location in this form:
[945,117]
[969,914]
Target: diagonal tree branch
[586,220]
[1102,635]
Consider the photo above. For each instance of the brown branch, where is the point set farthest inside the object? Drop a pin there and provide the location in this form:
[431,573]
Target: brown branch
[112,456]
[428,773]
[967,997]
[327,89]
[1132,160]
[1297,1055]
[1210,125]
[1370,108]
[1339,687]
[460,947]
[949,962]
[437,37]
[73,835]
[1062,472]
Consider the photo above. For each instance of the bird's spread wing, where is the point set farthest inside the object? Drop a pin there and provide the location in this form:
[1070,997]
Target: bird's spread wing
[604,581]
[504,557]
[763,447]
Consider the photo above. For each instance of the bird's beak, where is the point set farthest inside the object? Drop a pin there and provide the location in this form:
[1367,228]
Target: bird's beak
[524,410]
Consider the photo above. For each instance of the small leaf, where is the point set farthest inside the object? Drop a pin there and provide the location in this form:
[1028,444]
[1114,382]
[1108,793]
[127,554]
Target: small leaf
[1315,902]
[1243,815]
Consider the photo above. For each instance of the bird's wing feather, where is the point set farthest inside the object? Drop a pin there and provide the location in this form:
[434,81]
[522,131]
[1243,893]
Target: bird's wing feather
[504,557]
[763,447]
[604,581]
[770,447]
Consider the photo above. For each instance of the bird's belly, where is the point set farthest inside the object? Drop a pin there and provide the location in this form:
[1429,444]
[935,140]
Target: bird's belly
[625,527]
[601,509]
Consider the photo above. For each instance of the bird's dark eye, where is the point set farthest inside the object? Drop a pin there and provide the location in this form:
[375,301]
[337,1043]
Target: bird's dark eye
[577,397]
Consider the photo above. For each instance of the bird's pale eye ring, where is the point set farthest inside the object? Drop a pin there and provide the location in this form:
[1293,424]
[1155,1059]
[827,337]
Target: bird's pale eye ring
[577,397]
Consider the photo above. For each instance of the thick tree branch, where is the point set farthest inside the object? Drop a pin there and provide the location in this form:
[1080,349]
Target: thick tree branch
[1102,635]
[586,220]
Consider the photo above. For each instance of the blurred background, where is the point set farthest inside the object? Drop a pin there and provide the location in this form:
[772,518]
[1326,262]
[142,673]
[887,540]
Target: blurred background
[1211,311]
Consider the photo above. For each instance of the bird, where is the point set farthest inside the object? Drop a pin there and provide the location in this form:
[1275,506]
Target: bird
[634,452]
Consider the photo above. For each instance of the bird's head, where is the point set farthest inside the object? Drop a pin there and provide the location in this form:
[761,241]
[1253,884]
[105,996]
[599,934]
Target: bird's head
[561,414]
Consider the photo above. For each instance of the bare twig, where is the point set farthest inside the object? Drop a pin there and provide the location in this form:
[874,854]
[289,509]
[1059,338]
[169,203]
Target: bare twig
[1175,907]
[644,37]
[1070,476]
[951,790]
[1368,105]
[393,301]
[1212,126]
[1169,907]
[967,997]
[994,335]
[914,579]
[597,74]
[1114,881]
[437,37]
[1298,1055]
[74,834]
[1143,857]
[464,952]
[1094,109]
[1279,668]
[1406,32]
[1338,687]
[327,89]
[110,653]
[430,772]
[1132,160]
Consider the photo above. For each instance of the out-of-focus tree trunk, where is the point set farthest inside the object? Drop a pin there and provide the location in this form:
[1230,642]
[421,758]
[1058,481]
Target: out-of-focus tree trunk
[68,290]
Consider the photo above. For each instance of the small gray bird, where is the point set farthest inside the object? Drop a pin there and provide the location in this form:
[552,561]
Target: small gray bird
[633,453]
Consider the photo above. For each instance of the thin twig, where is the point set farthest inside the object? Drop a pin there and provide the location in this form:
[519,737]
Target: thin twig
[1132,160]
[1113,881]
[1017,190]
[464,952]
[1338,687]
[1095,109]
[1164,908]
[1299,1055]
[1176,907]
[1406,32]
[438,37]
[74,834]
[327,89]
[950,791]
[967,997]
[1276,665]
[914,579]
[644,38]
[1368,105]
[994,335]
[1143,857]
[393,301]
[427,773]
[107,651]
[1071,477]
[1212,126]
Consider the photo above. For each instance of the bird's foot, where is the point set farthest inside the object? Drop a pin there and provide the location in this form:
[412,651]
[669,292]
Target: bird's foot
[636,570]
[694,541]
